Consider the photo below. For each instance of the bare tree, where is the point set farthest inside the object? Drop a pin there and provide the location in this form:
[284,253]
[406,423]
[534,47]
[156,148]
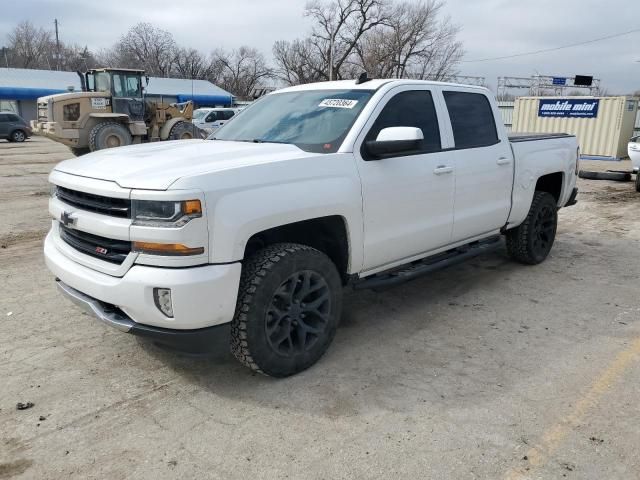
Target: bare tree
[414,43]
[239,71]
[406,39]
[190,63]
[144,46]
[296,62]
[339,26]
[30,46]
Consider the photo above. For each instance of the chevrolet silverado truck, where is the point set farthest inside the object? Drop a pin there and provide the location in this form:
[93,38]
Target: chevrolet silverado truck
[314,188]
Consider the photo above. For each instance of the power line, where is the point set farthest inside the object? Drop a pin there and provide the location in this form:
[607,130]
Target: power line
[535,52]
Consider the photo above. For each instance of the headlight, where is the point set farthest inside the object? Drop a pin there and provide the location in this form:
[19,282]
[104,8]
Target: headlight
[53,190]
[152,213]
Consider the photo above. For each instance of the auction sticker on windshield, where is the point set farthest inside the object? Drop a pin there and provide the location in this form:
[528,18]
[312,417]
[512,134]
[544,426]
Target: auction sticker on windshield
[338,103]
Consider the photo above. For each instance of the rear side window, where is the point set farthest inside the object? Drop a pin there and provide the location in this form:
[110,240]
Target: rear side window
[472,119]
[413,108]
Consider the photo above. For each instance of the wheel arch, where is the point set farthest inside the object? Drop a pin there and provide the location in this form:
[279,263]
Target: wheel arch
[327,234]
[551,183]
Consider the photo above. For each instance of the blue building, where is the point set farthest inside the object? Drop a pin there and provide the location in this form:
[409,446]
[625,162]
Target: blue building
[20,89]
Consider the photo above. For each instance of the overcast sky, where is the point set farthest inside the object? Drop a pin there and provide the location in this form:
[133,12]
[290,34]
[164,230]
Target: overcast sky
[490,28]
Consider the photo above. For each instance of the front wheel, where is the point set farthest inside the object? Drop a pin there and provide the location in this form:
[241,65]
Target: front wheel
[108,135]
[184,131]
[531,242]
[18,136]
[638,182]
[288,309]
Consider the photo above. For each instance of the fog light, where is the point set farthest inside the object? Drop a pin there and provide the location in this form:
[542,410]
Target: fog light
[162,299]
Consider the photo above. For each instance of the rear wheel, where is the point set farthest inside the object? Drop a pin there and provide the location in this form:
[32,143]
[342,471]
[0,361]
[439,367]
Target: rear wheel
[184,131]
[18,136]
[531,242]
[288,309]
[108,135]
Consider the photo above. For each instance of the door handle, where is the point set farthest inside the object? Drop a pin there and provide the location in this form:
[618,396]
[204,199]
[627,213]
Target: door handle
[442,169]
[503,161]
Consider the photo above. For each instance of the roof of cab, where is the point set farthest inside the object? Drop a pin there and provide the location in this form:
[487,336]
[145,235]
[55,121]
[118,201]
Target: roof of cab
[372,84]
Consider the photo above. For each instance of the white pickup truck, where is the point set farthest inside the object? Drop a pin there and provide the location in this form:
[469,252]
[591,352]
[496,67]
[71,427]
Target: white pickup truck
[311,189]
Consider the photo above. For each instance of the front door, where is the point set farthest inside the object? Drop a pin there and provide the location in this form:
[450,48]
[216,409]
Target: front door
[484,166]
[407,200]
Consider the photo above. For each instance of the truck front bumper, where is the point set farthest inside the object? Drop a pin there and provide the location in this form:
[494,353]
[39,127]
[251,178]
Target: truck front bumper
[202,297]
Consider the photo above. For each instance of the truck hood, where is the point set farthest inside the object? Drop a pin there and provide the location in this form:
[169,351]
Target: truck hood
[155,166]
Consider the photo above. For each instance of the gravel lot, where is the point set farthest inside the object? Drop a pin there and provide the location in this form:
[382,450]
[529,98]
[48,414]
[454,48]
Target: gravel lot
[487,370]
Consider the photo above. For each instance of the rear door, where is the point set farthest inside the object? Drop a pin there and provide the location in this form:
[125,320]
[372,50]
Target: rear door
[483,163]
[407,200]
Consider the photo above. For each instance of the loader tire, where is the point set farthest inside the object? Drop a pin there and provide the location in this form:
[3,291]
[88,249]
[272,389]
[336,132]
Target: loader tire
[108,135]
[184,131]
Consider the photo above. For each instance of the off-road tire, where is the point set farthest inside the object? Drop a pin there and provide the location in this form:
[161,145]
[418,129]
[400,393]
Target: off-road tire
[184,131]
[18,136]
[109,135]
[638,182]
[524,243]
[79,151]
[264,276]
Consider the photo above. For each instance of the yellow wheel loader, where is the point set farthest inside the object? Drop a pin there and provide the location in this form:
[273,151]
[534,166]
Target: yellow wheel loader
[111,111]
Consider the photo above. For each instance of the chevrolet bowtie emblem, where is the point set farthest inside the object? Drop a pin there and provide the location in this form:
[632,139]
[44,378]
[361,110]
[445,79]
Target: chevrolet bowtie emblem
[66,219]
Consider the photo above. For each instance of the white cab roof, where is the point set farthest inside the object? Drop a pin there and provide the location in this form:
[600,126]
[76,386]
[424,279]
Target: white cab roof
[372,84]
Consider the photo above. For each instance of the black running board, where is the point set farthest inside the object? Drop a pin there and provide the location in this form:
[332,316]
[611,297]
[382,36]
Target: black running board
[427,265]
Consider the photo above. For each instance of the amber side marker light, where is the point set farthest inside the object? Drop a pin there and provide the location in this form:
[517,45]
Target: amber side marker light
[192,208]
[172,249]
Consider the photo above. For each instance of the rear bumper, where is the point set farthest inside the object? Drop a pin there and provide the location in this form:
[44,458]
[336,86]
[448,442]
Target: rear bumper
[194,341]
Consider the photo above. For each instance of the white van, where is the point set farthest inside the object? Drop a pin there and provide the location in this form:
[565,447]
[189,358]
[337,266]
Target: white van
[210,119]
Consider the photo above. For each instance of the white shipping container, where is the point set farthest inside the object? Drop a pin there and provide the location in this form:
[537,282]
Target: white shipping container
[606,134]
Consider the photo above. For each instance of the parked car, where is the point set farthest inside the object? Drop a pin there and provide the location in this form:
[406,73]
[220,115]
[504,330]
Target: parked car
[363,184]
[210,119]
[13,127]
[633,150]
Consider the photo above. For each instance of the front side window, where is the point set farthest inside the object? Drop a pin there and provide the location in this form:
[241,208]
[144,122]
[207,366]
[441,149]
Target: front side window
[313,120]
[212,117]
[471,119]
[413,108]
[102,82]
[126,85]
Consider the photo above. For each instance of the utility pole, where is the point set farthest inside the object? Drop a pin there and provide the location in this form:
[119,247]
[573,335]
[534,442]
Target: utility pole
[331,42]
[55,22]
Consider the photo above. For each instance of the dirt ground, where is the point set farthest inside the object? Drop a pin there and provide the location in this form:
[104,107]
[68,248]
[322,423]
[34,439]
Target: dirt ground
[487,370]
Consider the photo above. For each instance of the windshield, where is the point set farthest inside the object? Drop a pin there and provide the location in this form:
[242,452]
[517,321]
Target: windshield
[315,120]
[200,113]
